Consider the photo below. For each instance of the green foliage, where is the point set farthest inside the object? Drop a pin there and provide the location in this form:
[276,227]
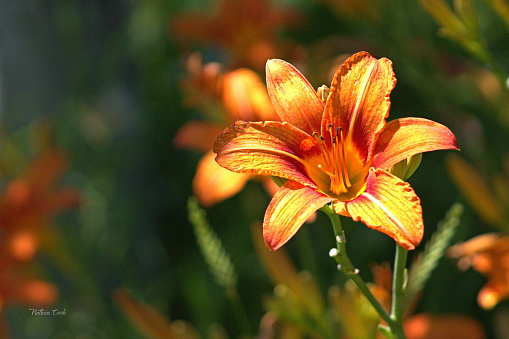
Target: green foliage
[220,263]
[434,250]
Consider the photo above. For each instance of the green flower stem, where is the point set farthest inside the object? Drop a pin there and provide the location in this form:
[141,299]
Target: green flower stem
[398,283]
[345,265]
[239,310]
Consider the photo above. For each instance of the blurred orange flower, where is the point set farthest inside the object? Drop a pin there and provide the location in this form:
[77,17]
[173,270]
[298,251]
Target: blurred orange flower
[443,326]
[241,95]
[425,325]
[247,28]
[150,322]
[334,148]
[26,205]
[488,254]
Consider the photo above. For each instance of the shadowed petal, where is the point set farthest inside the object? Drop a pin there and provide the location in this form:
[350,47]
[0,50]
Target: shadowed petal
[389,205]
[288,210]
[213,184]
[246,98]
[476,190]
[293,98]
[266,148]
[443,326]
[359,100]
[197,135]
[405,137]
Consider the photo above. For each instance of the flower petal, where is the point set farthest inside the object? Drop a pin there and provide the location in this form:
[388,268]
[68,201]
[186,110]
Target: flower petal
[359,100]
[288,210]
[293,98]
[213,184]
[390,206]
[197,135]
[405,137]
[266,148]
[443,326]
[245,96]
[476,190]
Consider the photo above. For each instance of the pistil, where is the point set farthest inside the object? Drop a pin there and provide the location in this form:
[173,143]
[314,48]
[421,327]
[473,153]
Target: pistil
[333,155]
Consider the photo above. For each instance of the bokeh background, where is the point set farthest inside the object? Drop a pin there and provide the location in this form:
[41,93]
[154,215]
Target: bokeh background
[95,188]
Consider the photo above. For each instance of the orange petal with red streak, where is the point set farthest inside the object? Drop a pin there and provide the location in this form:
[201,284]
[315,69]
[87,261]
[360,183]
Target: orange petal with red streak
[288,210]
[359,100]
[389,205]
[293,98]
[405,137]
[266,148]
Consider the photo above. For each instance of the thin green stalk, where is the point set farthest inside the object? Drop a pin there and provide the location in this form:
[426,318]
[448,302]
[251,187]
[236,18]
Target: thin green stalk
[345,265]
[239,310]
[398,283]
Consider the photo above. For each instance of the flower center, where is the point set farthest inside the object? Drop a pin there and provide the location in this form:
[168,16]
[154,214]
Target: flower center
[334,160]
[337,172]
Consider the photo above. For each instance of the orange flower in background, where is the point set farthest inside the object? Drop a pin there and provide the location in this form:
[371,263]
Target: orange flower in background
[246,28]
[335,150]
[28,203]
[26,206]
[241,95]
[489,255]
[425,325]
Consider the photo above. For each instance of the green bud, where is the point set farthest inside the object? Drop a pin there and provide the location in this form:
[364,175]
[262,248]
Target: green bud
[413,163]
[405,168]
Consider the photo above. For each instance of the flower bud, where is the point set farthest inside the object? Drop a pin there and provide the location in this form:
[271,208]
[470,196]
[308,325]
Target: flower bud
[323,93]
[405,168]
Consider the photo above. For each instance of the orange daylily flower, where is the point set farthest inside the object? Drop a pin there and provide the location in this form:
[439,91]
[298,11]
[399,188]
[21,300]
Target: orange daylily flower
[489,255]
[26,206]
[335,150]
[243,96]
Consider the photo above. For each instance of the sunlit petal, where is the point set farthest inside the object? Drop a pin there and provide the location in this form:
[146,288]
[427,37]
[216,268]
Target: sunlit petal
[405,137]
[288,210]
[359,100]
[266,148]
[391,206]
[294,99]
[213,184]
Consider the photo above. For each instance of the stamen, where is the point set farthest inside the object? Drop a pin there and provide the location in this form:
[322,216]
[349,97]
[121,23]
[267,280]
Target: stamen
[343,163]
[325,171]
[334,160]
